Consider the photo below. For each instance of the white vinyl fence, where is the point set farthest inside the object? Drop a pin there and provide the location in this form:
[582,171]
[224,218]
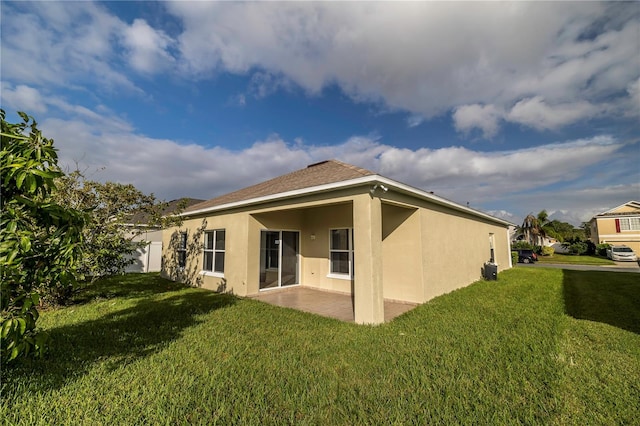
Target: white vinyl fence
[147,259]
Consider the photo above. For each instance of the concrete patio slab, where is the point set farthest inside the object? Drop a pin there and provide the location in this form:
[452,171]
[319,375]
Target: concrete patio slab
[325,303]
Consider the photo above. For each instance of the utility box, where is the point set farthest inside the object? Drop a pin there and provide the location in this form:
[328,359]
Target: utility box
[490,271]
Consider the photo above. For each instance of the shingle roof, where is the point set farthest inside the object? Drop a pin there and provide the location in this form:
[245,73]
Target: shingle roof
[614,212]
[322,173]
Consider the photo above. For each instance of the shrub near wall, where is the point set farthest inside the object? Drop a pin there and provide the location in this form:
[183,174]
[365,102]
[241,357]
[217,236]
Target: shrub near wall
[601,249]
[548,251]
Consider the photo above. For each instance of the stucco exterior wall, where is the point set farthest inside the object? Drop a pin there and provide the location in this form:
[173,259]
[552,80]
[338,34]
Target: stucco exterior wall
[401,254]
[455,248]
[236,253]
[315,250]
[406,249]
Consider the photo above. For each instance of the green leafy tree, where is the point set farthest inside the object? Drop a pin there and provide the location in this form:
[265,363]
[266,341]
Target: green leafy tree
[118,213]
[532,229]
[40,240]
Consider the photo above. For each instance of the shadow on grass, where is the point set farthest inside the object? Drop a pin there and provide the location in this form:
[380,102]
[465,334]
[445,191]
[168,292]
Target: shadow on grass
[125,286]
[118,338]
[608,297]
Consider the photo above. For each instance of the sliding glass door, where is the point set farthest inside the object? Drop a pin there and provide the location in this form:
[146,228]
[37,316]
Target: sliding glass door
[279,253]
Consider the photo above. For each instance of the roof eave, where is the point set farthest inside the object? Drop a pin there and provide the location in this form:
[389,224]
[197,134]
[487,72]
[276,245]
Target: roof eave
[370,179]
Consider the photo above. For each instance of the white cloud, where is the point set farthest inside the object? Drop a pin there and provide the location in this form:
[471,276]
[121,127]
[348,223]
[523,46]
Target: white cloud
[147,47]
[553,63]
[70,44]
[536,113]
[542,65]
[22,98]
[485,117]
[98,138]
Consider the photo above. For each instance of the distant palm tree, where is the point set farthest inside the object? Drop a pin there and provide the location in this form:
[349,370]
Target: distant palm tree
[546,225]
[532,228]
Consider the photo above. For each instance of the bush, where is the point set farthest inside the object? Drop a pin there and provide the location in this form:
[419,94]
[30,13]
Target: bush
[578,248]
[601,249]
[514,257]
[548,251]
[523,245]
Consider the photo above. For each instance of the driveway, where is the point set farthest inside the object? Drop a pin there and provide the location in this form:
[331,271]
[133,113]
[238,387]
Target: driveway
[618,267]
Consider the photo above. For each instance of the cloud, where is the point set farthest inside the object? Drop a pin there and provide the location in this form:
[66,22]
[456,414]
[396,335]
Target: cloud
[536,113]
[147,47]
[485,117]
[415,120]
[546,65]
[98,138]
[72,44]
[568,62]
[22,98]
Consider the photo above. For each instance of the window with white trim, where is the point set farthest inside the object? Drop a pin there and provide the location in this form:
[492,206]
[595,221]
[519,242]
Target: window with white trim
[182,250]
[341,252]
[214,246]
[629,223]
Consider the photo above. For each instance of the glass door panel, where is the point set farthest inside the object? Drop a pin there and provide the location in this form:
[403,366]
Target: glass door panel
[269,259]
[289,268]
[279,258]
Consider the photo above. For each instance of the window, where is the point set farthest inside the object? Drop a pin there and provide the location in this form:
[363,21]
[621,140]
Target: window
[214,250]
[491,248]
[341,251]
[629,224]
[182,250]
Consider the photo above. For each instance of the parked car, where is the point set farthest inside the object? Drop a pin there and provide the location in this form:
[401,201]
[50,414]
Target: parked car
[621,253]
[526,256]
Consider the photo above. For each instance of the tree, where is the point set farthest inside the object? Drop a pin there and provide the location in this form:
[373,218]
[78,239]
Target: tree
[118,214]
[532,228]
[586,228]
[40,240]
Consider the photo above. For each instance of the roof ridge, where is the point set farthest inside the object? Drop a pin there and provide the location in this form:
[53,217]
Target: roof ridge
[364,172]
[320,173]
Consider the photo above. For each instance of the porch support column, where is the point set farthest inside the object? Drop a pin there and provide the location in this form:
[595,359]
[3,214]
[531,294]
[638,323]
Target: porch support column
[367,286]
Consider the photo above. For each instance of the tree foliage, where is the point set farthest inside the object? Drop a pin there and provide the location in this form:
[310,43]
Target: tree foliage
[40,240]
[536,228]
[119,213]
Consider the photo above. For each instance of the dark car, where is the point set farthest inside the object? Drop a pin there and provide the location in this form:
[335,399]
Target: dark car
[526,256]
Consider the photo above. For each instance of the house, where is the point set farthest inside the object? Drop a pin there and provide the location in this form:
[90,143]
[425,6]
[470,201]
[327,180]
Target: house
[149,257]
[619,226]
[335,227]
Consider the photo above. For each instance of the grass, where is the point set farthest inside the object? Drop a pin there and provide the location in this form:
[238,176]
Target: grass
[576,260]
[538,346]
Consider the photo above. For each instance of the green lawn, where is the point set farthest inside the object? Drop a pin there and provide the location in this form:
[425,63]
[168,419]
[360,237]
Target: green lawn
[576,260]
[538,346]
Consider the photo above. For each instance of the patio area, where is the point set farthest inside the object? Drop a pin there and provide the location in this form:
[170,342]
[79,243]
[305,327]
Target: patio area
[325,303]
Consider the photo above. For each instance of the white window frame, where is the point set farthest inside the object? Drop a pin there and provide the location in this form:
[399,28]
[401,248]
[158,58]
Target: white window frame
[213,250]
[630,224]
[350,250]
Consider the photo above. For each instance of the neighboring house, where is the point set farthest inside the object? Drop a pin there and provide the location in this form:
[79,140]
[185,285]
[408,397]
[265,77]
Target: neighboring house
[618,226]
[149,257]
[335,227]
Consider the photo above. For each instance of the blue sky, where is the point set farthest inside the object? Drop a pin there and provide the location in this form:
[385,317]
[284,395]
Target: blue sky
[511,107]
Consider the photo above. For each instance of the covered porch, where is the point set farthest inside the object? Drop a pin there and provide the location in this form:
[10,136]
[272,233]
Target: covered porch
[325,303]
[319,245]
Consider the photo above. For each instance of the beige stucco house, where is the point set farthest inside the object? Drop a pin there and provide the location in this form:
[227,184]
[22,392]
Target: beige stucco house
[618,226]
[335,227]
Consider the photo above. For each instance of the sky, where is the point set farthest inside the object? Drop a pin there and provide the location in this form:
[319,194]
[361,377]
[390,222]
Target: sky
[512,107]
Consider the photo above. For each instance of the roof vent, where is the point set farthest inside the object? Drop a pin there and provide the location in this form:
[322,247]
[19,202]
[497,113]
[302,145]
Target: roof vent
[317,164]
